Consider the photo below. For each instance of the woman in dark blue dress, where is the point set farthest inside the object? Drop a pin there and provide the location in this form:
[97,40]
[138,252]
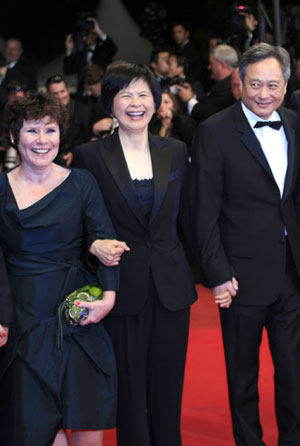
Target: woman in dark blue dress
[46,214]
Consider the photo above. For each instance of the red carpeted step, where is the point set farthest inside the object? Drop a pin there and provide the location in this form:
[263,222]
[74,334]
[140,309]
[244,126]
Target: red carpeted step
[205,410]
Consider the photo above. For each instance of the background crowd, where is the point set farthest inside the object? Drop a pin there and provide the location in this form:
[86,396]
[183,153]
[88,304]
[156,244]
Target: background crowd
[196,81]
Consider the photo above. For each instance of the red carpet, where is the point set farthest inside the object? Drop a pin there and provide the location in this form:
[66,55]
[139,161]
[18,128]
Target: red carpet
[205,412]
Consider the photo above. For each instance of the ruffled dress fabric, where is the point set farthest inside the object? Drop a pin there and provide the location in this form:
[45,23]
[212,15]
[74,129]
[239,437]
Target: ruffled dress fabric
[44,388]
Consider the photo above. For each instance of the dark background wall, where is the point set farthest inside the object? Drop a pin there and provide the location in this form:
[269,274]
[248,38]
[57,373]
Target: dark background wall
[42,26]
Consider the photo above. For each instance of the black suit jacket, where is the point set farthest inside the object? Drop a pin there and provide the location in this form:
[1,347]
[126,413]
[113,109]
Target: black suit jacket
[102,56]
[218,98]
[241,218]
[23,72]
[154,245]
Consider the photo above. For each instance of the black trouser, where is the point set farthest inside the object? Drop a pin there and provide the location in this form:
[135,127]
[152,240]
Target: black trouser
[150,349]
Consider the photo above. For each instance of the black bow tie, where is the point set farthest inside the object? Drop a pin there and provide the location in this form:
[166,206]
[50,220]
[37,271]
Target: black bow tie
[274,124]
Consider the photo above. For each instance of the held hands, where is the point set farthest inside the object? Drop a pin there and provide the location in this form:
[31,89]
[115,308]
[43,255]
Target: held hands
[225,292]
[99,308]
[3,335]
[108,251]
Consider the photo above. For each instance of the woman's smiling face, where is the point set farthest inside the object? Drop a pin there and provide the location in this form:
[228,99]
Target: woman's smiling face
[39,142]
[134,106]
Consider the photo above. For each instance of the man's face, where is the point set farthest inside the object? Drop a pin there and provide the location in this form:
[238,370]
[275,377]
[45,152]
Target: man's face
[264,87]
[173,67]
[236,85]
[180,35]
[13,50]
[93,90]
[60,91]
[215,68]
[161,67]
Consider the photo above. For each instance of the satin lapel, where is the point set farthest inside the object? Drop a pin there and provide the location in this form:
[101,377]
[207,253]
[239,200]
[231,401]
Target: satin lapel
[114,158]
[161,165]
[290,136]
[249,139]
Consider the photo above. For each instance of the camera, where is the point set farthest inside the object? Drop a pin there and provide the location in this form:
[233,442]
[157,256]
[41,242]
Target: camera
[82,23]
[177,81]
[82,28]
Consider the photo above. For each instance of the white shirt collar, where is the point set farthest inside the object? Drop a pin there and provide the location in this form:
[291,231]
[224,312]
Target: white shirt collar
[253,118]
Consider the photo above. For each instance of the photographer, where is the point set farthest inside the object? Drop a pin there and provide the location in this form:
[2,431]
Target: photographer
[87,45]
[242,28]
[179,74]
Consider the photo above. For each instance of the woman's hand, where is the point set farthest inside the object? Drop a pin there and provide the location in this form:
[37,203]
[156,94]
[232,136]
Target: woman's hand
[3,335]
[108,251]
[99,308]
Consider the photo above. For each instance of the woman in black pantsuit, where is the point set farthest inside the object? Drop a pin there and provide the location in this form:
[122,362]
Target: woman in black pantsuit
[143,181]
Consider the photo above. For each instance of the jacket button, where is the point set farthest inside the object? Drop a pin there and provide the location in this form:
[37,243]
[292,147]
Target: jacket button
[148,243]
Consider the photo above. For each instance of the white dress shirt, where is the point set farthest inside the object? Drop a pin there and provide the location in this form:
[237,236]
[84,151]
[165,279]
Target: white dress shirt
[273,143]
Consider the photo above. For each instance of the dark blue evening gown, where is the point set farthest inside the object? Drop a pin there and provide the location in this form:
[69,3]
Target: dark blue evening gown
[43,387]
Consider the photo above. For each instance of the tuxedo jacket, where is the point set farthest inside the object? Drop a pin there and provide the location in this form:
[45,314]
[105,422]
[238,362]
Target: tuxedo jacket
[240,216]
[154,245]
[102,56]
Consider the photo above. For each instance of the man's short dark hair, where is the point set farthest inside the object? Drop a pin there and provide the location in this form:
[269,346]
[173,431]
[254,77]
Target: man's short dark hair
[92,74]
[155,53]
[181,61]
[263,51]
[56,79]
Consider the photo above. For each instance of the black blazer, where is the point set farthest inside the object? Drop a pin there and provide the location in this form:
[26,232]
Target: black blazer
[219,97]
[23,72]
[241,218]
[154,245]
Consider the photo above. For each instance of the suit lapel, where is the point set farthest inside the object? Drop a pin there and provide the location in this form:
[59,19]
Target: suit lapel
[251,142]
[249,139]
[114,158]
[161,165]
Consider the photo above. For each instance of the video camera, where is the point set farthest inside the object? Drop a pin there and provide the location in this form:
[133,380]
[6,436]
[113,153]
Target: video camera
[82,27]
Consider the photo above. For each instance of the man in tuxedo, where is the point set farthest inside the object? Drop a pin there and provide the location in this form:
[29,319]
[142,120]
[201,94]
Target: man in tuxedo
[245,169]
[95,47]
[222,62]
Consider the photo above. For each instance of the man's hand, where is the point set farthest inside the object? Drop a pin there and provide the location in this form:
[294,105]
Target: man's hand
[97,28]
[225,292]
[108,251]
[103,125]
[185,93]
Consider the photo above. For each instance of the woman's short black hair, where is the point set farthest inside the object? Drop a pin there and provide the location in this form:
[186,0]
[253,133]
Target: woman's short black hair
[34,106]
[119,75]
